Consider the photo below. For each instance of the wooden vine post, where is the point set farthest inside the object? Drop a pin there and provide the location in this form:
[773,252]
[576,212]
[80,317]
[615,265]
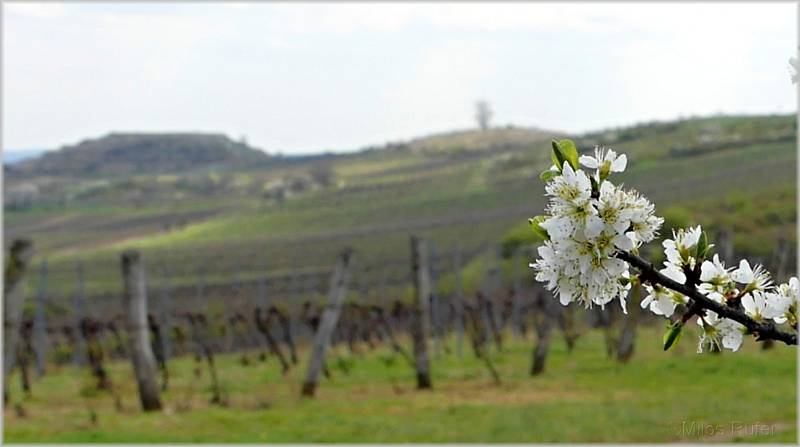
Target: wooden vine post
[134,305]
[458,302]
[327,323]
[13,299]
[419,312]
[40,321]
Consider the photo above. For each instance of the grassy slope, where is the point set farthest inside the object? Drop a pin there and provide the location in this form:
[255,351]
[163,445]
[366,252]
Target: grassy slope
[384,195]
[581,397]
[311,229]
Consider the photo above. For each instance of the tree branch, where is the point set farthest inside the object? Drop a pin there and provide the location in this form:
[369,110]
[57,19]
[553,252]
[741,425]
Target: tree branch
[763,330]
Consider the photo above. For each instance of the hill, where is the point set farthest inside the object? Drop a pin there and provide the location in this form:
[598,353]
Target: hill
[121,154]
[289,218]
[499,138]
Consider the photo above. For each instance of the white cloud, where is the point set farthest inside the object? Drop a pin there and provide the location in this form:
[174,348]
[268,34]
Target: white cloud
[307,76]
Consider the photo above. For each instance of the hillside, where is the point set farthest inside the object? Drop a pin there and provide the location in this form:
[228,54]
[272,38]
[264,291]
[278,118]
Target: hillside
[290,218]
[122,154]
[497,139]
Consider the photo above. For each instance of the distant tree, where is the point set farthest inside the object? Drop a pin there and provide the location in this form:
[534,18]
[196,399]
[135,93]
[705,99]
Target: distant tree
[483,114]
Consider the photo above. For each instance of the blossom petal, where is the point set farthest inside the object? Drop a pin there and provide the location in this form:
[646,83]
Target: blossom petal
[623,242]
[619,164]
[565,296]
[594,226]
[674,273]
[749,305]
[589,162]
[708,271]
[744,274]
[732,340]
[666,305]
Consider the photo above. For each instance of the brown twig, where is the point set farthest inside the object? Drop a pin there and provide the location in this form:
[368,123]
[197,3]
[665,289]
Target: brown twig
[763,330]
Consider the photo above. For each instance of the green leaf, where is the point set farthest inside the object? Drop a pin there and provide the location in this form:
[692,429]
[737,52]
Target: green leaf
[672,335]
[545,176]
[568,151]
[557,157]
[702,246]
[537,228]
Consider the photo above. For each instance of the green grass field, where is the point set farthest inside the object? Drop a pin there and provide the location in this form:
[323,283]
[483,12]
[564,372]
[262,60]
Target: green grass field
[581,397]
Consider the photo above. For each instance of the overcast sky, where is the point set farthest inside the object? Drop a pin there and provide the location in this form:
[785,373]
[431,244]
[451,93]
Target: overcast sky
[301,78]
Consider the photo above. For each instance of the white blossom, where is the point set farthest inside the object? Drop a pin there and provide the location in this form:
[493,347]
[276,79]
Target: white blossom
[570,186]
[612,209]
[732,333]
[782,303]
[716,280]
[757,279]
[578,262]
[719,332]
[605,161]
[679,250]
[662,301]
[644,224]
[755,306]
[714,272]
[590,220]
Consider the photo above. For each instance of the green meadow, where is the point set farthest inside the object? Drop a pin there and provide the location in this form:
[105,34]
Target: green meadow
[582,396]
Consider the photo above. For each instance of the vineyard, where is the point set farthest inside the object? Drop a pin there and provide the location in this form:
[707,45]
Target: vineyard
[393,306]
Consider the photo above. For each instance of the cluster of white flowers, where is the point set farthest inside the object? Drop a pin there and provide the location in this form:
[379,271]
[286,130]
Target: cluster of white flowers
[588,220]
[760,303]
[681,252]
[750,286]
